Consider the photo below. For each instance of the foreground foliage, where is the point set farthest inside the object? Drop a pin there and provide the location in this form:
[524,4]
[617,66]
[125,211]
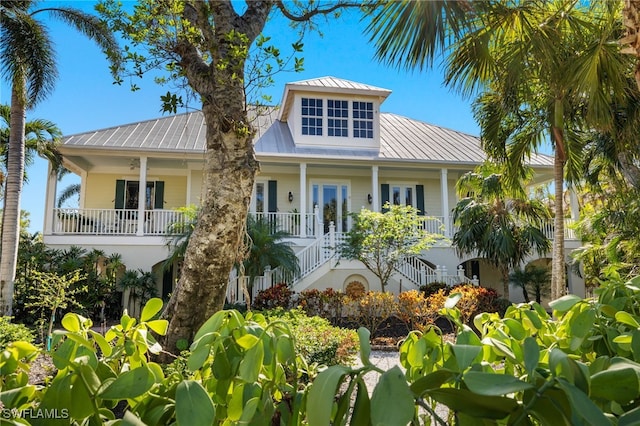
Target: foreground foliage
[580,366]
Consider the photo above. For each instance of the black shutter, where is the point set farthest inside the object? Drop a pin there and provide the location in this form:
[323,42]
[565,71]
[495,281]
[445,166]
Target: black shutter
[158,203]
[420,199]
[119,201]
[384,195]
[272,203]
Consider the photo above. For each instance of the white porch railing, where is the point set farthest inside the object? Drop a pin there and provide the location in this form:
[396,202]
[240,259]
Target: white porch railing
[115,221]
[293,223]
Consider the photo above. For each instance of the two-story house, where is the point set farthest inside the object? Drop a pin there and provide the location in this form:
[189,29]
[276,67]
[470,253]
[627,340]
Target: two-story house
[325,152]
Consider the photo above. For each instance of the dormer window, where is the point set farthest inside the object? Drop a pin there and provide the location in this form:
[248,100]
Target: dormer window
[338,118]
[363,120]
[311,116]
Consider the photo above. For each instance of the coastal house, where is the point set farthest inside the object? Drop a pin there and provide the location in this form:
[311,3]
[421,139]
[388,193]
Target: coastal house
[326,151]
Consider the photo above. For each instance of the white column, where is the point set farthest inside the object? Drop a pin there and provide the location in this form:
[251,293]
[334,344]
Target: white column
[375,188]
[575,210]
[444,185]
[83,189]
[142,195]
[189,183]
[50,199]
[303,200]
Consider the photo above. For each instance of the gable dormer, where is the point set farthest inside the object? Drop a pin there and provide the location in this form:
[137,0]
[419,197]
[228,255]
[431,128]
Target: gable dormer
[333,112]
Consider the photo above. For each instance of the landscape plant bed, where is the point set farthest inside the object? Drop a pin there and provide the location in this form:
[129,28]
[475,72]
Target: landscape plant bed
[393,331]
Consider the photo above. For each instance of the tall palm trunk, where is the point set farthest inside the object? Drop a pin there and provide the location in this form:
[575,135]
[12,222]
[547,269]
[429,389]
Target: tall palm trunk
[13,190]
[558,268]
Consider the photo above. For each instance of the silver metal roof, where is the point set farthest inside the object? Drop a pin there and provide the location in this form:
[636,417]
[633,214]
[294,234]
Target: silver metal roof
[401,139]
[332,83]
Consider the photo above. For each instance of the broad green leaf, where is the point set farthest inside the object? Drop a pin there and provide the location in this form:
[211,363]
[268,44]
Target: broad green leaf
[197,357]
[249,411]
[56,395]
[361,415]
[516,330]
[130,419]
[452,300]
[71,322]
[581,326]
[564,303]
[432,380]
[247,341]
[499,347]
[322,393]
[81,398]
[490,407]
[194,407]
[221,366]
[130,384]
[211,325]
[392,401]
[627,318]
[491,384]
[285,349]
[151,308]
[236,403]
[251,364]
[582,406]
[534,318]
[531,354]
[365,345]
[616,384]
[159,326]
[14,398]
[62,355]
[465,355]
[551,408]
[630,418]
[104,346]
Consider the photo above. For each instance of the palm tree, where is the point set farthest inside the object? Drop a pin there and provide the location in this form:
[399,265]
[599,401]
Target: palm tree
[28,63]
[549,69]
[532,277]
[41,138]
[266,249]
[496,221]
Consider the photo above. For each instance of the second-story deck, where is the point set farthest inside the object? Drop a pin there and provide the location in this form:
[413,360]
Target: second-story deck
[123,222]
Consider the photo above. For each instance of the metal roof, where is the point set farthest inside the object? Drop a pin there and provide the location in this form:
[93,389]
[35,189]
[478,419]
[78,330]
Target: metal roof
[401,139]
[330,83]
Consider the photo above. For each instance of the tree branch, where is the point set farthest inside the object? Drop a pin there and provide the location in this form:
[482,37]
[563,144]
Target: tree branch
[307,15]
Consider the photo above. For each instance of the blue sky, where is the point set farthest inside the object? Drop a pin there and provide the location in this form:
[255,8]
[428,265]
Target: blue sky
[85,98]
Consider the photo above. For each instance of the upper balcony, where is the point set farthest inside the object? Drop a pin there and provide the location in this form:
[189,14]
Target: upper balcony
[127,222]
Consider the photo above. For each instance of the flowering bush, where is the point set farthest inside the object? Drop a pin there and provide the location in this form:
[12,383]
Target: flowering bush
[327,304]
[278,296]
[372,309]
[415,311]
[474,300]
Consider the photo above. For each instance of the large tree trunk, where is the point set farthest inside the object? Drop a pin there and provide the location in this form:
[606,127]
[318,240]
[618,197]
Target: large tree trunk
[631,20]
[229,173]
[558,268]
[13,191]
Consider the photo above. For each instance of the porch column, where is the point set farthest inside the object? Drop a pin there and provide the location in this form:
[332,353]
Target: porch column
[303,200]
[444,185]
[573,200]
[142,195]
[50,200]
[375,189]
[83,189]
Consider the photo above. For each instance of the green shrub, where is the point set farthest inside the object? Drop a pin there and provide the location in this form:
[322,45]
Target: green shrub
[316,339]
[12,332]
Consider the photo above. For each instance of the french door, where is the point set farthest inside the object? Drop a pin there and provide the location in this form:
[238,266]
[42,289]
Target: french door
[333,201]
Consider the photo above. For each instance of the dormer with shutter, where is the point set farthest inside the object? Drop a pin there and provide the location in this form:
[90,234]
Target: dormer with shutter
[332,112]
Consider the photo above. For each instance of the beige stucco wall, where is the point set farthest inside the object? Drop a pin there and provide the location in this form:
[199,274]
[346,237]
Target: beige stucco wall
[100,190]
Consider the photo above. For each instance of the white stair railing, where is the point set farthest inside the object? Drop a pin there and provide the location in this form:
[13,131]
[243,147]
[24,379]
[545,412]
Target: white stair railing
[419,273]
